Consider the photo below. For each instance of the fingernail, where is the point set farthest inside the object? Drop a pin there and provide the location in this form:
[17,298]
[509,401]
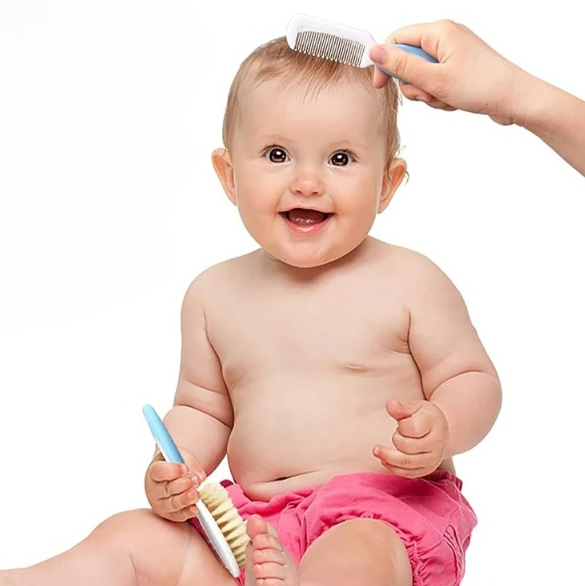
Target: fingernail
[378,55]
[202,476]
[376,450]
[196,480]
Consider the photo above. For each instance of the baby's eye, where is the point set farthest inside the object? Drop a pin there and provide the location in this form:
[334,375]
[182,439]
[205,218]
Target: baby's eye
[276,155]
[340,159]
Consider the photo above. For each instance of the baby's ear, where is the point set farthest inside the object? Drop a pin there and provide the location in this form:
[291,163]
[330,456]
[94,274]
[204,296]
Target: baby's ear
[222,163]
[393,176]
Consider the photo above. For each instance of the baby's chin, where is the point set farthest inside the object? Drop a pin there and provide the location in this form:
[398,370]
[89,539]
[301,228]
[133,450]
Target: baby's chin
[306,262]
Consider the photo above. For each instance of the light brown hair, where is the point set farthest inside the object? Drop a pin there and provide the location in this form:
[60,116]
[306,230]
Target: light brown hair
[277,60]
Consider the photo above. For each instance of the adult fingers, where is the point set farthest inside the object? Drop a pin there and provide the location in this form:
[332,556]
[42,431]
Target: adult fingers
[413,92]
[403,65]
[436,38]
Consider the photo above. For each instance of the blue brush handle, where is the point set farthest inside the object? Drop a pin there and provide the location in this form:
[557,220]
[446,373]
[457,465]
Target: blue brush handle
[162,436]
[208,524]
[416,51]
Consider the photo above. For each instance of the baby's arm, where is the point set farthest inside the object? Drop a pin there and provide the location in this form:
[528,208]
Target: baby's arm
[200,420]
[202,416]
[456,373]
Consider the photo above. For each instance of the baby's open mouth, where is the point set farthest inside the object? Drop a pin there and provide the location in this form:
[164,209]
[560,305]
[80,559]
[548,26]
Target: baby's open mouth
[304,217]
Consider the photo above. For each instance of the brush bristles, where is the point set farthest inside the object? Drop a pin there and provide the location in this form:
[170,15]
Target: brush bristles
[216,498]
[330,47]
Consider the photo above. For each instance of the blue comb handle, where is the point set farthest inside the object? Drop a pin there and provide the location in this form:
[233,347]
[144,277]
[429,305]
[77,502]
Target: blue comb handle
[416,51]
[413,50]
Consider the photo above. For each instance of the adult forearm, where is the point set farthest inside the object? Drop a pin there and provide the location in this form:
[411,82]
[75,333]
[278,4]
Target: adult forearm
[555,116]
[205,436]
[471,402]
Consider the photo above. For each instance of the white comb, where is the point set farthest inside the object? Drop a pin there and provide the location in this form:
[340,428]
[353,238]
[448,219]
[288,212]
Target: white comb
[336,42]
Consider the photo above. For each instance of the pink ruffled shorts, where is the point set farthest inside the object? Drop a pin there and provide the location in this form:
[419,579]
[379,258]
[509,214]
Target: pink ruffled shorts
[429,514]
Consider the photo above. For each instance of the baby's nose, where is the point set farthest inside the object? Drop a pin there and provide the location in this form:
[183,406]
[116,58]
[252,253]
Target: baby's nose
[308,182]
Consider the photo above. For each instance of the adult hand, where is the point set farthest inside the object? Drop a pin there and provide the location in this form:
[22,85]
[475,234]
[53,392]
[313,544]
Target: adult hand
[470,75]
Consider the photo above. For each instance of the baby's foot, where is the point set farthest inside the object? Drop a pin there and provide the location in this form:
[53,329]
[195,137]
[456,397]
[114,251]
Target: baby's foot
[267,562]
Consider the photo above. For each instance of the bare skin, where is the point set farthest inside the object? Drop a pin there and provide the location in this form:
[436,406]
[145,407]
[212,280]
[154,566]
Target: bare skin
[324,352]
[471,76]
[350,374]
[353,373]
[361,551]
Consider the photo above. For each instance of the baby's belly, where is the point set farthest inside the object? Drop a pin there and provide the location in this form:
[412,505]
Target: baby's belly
[299,438]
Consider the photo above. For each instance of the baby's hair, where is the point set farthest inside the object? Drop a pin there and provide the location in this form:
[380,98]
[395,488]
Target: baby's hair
[276,59]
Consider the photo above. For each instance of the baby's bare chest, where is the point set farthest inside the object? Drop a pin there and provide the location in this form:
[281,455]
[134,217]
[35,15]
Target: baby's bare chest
[266,335]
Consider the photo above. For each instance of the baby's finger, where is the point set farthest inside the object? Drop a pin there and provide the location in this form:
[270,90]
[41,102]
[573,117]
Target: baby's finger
[176,503]
[406,472]
[183,515]
[397,459]
[181,485]
[393,457]
[161,471]
[409,445]
[416,426]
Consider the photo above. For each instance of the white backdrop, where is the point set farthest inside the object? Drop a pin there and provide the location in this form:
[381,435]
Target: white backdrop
[109,207]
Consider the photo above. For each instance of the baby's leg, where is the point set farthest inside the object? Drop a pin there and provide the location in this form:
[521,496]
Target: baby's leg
[359,552]
[137,548]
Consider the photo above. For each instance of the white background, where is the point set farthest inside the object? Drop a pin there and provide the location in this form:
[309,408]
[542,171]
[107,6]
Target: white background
[109,207]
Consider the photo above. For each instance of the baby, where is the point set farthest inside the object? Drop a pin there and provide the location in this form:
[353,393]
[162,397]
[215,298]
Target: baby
[339,374]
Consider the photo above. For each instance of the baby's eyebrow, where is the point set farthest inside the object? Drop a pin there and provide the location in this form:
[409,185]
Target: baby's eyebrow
[348,144]
[274,138]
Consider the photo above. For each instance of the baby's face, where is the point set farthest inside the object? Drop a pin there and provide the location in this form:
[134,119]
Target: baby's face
[309,170]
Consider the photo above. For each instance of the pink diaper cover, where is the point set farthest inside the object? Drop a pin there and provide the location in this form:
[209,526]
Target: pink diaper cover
[429,514]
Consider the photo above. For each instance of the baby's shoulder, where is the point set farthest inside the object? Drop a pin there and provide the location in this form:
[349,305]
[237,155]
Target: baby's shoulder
[220,277]
[419,276]
[406,259]
[413,271]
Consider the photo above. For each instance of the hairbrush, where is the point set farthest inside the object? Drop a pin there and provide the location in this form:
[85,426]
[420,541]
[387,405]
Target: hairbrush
[336,42]
[219,519]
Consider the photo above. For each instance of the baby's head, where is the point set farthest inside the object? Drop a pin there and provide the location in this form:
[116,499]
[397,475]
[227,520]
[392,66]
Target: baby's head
[276,61]
[310,153]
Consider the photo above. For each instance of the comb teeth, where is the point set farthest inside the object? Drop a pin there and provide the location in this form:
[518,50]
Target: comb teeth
[217,500]
[328,46]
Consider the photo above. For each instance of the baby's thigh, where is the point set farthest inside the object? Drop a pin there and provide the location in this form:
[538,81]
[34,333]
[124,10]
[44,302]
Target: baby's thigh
[163,552]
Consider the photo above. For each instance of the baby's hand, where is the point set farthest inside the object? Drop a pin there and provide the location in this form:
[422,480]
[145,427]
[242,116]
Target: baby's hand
[419,441]
[171,487]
